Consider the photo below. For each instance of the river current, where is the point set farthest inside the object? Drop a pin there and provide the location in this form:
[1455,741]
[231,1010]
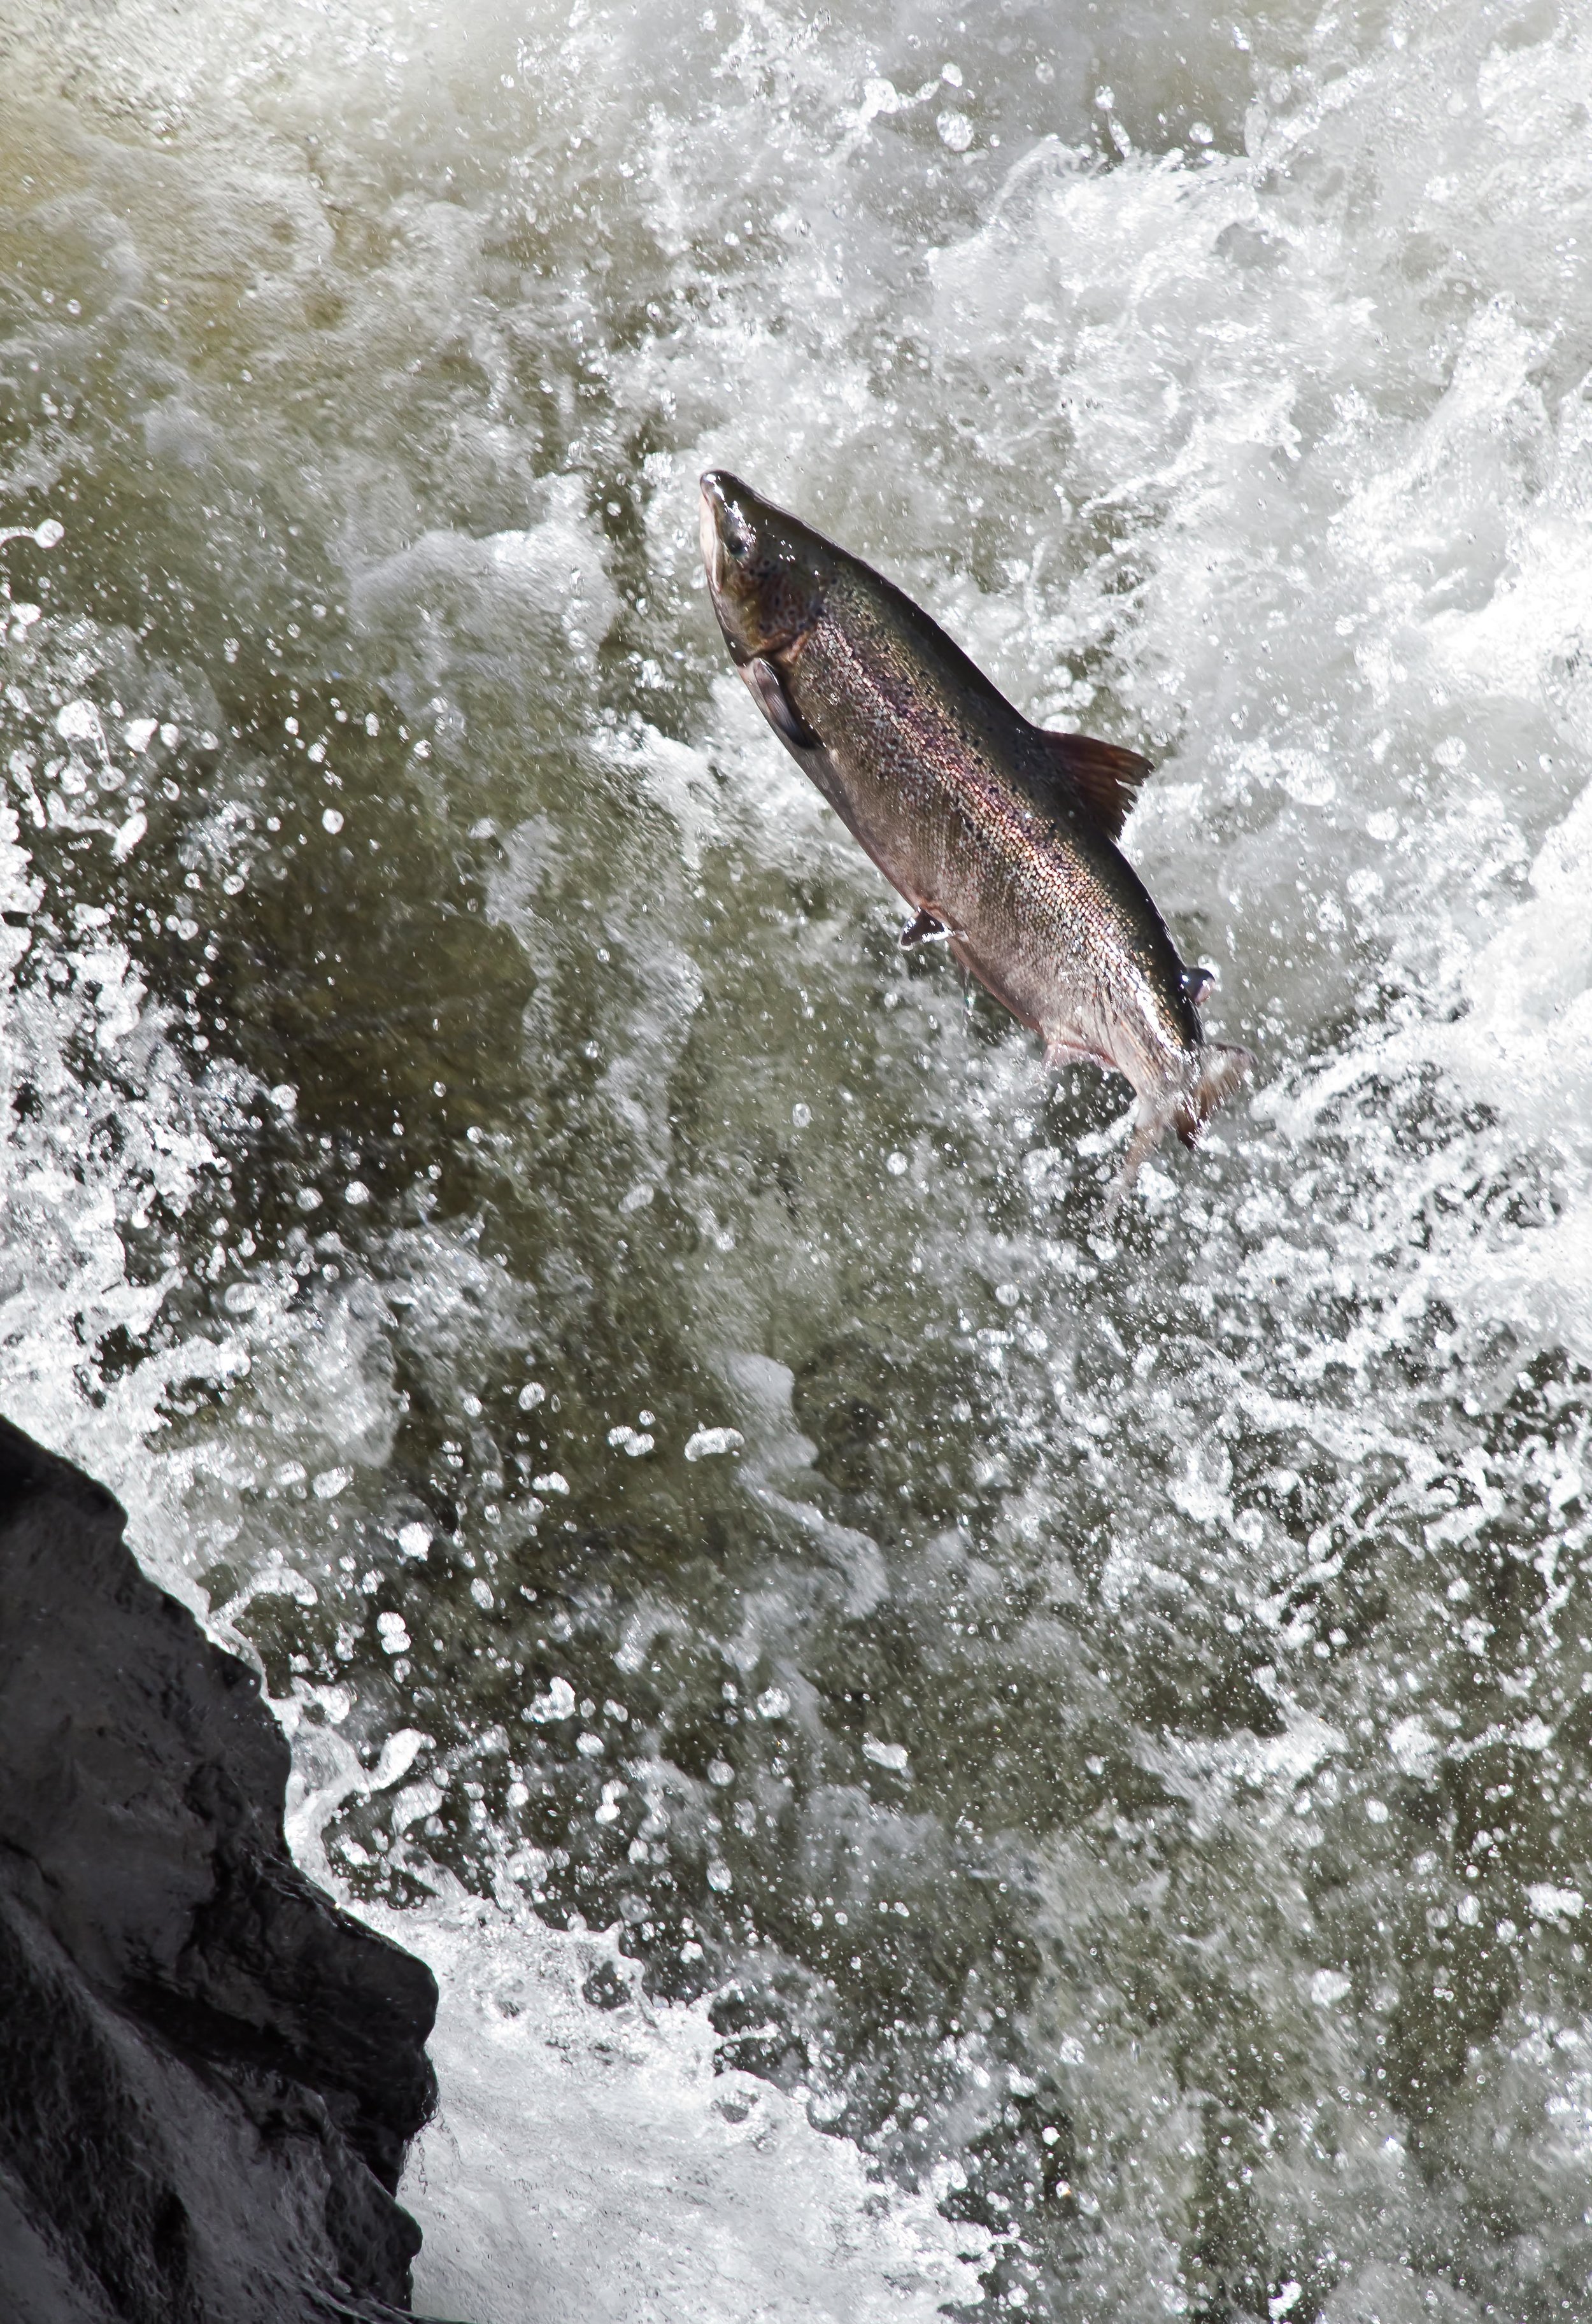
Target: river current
[943,1755]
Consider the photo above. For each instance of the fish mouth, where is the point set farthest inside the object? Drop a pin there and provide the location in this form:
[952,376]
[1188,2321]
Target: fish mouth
[757,581]
[725,531]
[726,538]
[708,528]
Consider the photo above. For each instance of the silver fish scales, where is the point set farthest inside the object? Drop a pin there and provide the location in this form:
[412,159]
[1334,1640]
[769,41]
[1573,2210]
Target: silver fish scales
[1001,834]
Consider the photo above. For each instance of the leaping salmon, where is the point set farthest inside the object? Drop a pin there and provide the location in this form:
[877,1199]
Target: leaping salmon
[1000,835]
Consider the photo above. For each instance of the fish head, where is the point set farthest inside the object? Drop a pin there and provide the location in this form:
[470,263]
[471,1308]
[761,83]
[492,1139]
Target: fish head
[768,574]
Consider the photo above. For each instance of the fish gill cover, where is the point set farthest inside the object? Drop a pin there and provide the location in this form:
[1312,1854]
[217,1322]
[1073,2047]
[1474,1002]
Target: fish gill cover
[1099,1726]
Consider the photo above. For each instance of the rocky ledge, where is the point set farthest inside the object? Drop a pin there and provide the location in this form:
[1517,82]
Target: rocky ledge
[208,2074]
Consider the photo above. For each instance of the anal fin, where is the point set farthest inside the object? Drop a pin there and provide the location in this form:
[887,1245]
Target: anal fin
[1059,1053]
[924,929]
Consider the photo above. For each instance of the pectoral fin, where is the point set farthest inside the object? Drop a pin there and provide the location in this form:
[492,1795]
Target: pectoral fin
[775,703]
[1106,778]
[923,930]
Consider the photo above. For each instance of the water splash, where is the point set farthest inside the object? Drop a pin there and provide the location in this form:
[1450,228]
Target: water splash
[1112,1721]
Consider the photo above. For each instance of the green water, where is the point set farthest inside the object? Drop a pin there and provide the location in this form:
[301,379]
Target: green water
[1113,1714]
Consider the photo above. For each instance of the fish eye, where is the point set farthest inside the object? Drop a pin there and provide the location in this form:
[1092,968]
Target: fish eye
[738,537]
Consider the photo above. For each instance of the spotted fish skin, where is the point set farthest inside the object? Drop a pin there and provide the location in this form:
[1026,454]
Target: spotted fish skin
[998,833]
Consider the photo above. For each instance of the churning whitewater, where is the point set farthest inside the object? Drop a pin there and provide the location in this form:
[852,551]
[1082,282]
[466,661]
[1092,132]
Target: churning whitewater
[944,1755]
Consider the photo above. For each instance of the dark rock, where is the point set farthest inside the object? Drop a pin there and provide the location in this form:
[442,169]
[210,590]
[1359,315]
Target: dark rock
[208,2074]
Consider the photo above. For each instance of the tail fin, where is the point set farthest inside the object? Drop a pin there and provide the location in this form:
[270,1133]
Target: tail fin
[1222,1070]
[1149,1129]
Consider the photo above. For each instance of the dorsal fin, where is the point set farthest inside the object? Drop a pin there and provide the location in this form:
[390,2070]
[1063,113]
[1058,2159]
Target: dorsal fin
[1104,776]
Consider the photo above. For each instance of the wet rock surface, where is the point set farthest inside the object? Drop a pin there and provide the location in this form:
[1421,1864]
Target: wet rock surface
[208,2073]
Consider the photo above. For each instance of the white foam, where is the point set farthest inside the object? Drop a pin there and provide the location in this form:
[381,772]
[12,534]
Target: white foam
[597,2161]
[594,2164]
[1271,452]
